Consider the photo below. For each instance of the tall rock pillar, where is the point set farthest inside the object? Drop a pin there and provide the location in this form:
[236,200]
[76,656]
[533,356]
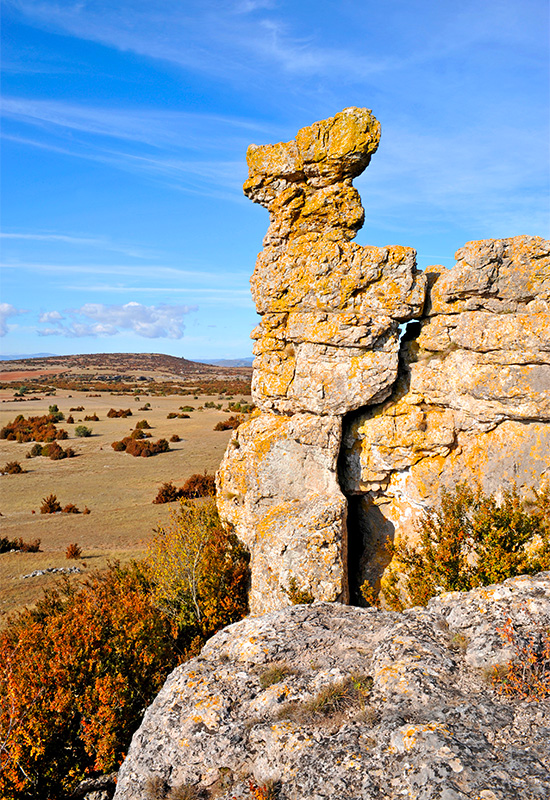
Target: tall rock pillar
[327,343]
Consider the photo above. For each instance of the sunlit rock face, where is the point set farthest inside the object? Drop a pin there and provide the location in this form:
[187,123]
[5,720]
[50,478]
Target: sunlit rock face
[472,402]
[327,343]
[360,425]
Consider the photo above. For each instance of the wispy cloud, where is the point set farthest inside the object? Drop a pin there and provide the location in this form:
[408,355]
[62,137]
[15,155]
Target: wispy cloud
[166,146]
[216,38]
[7,311]
[97,319]
[159,271]
[99,242]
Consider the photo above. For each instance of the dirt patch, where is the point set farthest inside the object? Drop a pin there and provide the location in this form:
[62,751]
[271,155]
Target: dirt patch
[27,375]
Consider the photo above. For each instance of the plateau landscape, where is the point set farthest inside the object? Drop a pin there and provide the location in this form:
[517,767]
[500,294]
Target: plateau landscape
[317,566]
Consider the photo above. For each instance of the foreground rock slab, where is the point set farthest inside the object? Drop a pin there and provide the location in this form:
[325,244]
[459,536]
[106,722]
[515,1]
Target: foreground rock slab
[335,702]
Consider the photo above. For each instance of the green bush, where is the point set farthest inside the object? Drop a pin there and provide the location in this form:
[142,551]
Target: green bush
[471,540]
[82,431]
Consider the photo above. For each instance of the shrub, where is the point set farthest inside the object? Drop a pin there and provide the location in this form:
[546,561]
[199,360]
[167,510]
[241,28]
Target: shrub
[82,431]
[143,425]
[38,429]
[228,424]
[527,675]
[86,510]
[298,596]
[175,438]
[76,674]
[50,505]
[76,408]
[73,551]
[12,468]
[55,414]
[36,450]
[135,447]
[18,544]
[473,540]
[199,485]
[171,415]
[198,571]
[187,408]
[91,418]
[167,494]
[122,412]
[70,508]
[53,451]
[70,419]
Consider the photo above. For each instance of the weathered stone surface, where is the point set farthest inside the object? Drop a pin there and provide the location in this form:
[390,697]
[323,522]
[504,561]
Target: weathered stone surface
[472,402]
[327,343]
[465,395]
[277,487]
[328,340]
[425,723]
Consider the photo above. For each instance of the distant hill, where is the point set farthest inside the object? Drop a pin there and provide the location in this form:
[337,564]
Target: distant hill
[134,366]
[232,362]
[25,356]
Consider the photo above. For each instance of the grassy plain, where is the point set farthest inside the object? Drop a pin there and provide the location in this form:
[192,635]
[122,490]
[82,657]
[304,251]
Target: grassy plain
[117,487]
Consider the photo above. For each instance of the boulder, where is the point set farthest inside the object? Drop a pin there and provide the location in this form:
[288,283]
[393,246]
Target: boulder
[332,702]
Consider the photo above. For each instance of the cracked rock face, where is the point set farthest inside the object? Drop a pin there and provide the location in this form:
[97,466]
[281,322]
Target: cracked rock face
[415,713]
[327,343]
[385,420]
[472,402]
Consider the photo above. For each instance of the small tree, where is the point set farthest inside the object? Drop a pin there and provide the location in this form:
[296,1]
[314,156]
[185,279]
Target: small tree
[198,572]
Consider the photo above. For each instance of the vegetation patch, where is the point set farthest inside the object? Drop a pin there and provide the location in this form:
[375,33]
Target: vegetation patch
[12,468]
[33,429]
[137,447]
[229,424]
[7,545]
[471,540]
[122,412]
[527,675]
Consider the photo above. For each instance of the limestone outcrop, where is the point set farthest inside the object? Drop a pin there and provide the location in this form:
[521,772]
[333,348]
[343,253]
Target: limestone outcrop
[328,343]
[358,425]
[472,402]
[333,702]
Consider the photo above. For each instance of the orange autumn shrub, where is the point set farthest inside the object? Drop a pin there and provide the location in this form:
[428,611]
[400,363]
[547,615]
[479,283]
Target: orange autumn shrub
[76,674]
[472,539]
[37,429]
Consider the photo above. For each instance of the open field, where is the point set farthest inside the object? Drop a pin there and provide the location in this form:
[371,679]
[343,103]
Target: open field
[117,487]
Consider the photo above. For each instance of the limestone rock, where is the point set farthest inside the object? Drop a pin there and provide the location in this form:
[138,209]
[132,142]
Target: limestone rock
[413,712]
[463,395]
[328,340]
[472,402]
[277,488]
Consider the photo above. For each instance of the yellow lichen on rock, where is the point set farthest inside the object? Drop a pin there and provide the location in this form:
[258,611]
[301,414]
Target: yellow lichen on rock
[463,395]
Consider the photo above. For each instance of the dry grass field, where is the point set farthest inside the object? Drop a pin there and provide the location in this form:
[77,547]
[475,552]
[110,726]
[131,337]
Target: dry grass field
[117,487]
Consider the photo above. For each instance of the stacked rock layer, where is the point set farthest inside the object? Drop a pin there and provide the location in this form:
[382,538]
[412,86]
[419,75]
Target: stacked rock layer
[328,343]
[352,415]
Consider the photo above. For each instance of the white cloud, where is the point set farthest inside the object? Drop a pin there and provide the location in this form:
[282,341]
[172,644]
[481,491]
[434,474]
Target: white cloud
[51,316]
[97,319]
[6,311]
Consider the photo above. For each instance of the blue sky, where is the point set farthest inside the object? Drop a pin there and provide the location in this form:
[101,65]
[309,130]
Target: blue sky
[125,128]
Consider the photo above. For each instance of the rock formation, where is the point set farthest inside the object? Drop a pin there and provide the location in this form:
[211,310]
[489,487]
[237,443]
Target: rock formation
[333,702]
[472,402]
[358,429]
[328,343]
